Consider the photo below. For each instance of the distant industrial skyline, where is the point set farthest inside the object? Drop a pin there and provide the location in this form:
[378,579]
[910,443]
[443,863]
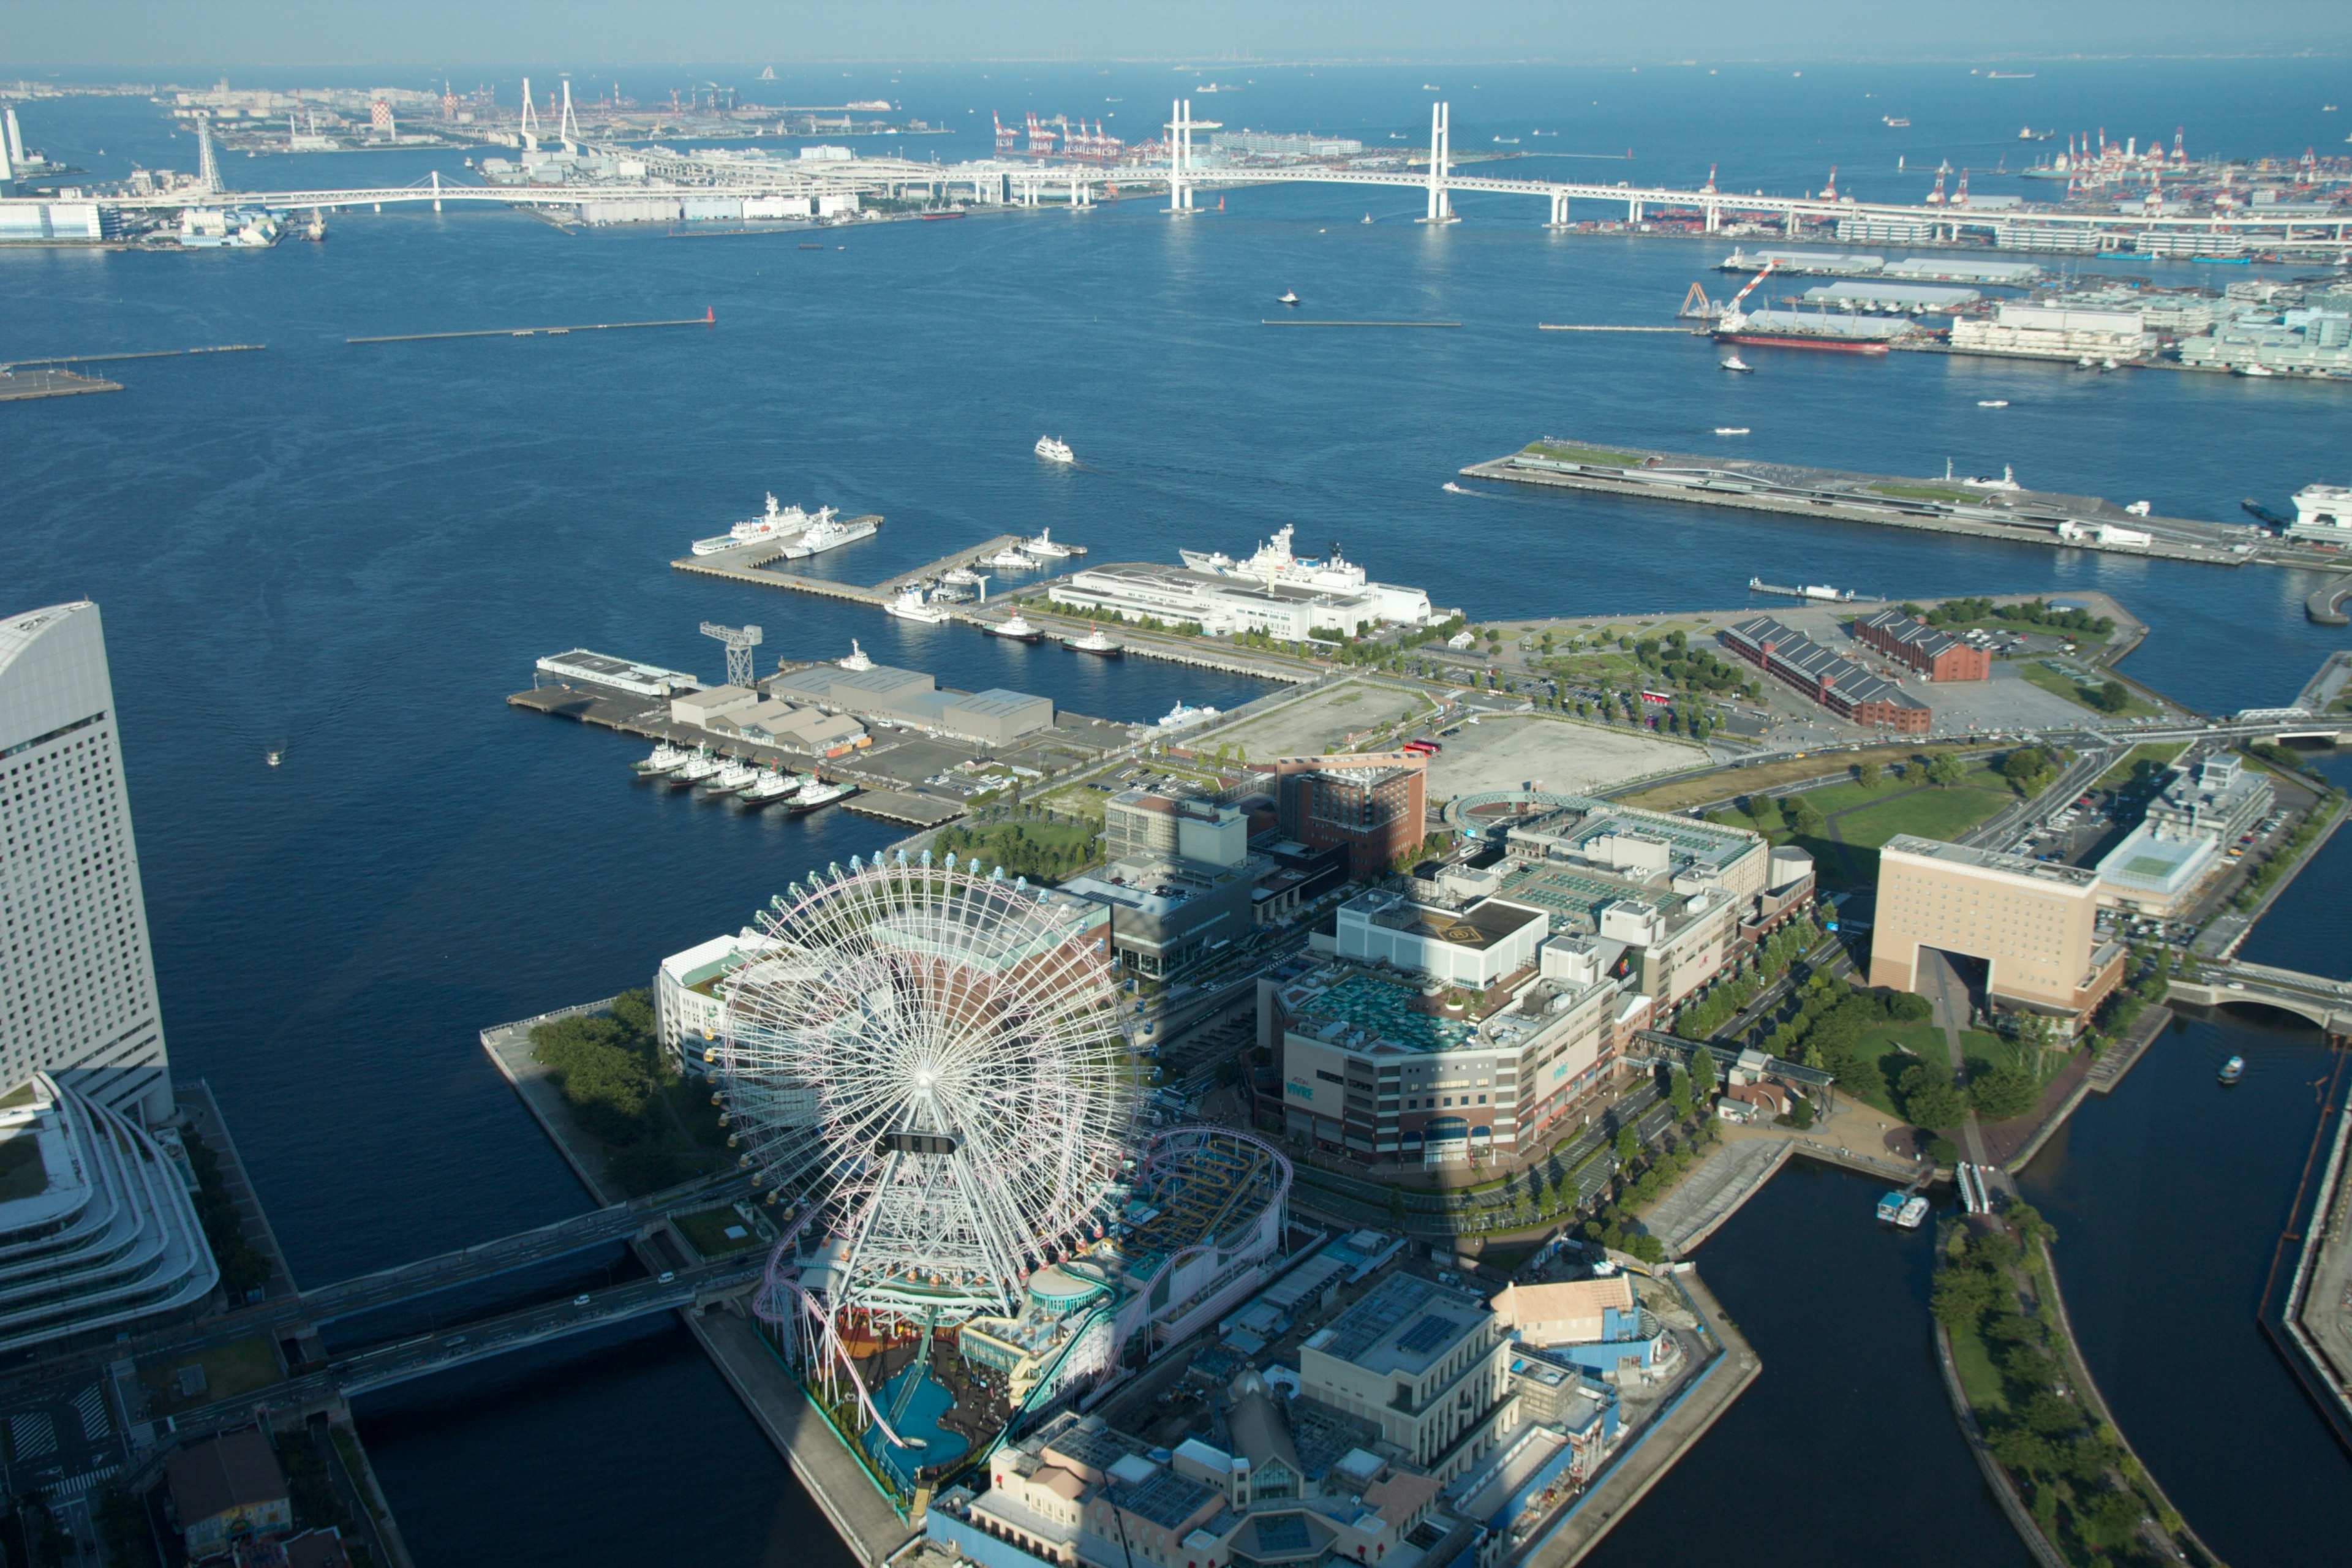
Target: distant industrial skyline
[193,34]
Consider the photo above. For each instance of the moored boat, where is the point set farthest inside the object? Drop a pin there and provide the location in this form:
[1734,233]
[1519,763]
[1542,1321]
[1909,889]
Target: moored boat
[817,793]
[698,767]
[1016,627]
[910,605]
[2233,1070]
[665,758]
[1044,547]
[1095,642]
[1054,449]
[1736,365]
[772,784]
[732,777]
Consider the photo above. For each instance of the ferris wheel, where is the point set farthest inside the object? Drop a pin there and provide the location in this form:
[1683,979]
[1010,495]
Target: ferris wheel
[928,1064]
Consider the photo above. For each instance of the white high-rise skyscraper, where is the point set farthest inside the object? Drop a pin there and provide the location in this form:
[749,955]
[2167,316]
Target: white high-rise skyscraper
[77,977]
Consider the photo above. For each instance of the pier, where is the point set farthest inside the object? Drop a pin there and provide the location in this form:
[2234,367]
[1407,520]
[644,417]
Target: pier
[2326,605]
[1987,510]
[709,317]
[22,386]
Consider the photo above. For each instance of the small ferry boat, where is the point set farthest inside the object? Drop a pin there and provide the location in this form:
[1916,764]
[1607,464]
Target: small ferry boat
[817,793]
[1015,627]
[1287,298]
[910,605]
[2233,1070]
[1094,642]
[1993,403]
[1054,449]
[273,758]
[1902,1209]
[1736,365]
[1044,547]
[666,758]
[1011,560]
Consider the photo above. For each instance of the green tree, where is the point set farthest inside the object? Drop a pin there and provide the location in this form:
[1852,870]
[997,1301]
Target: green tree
[1803,817]
[1678,1093]
[1945,770]
[2002,1092]
[1867,775]
[1962,1296]
[1629,1143]
[1702,1075]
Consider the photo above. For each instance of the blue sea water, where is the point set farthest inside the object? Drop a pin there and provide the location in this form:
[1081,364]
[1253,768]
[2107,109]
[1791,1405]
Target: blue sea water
[355,551]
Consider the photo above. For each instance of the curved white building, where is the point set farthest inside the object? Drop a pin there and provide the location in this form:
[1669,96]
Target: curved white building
[97,1229]
[77,977]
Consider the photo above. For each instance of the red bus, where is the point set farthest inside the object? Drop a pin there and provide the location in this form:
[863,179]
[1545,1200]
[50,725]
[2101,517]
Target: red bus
[1423,748]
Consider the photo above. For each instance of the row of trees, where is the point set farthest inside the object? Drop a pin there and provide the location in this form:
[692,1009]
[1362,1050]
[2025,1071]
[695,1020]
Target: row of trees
[2075,1474]
[242,1267]
[1701,1017]
[1836,1024]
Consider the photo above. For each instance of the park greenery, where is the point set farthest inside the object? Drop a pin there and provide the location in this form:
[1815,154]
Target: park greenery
[1843,1031]
[621,1089]
[2107,696]
[1994,1298]
[2281,857]
[243,1268]
[1140,623]
[1027,843]
[2034,614]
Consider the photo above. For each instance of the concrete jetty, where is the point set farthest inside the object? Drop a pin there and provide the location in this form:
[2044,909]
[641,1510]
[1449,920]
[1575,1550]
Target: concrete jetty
[748,565]
[1996,509]
[2326,605]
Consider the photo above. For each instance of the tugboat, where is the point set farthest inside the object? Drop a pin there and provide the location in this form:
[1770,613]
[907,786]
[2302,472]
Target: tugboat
[1287,299]
[1043,548]
[1094,642]
[817,793]
[696,768]
[1015,627]
[1736,365]
[666,758]
[772,784]
[732,779]
[1054,449]
[909,606]
[2233,1070]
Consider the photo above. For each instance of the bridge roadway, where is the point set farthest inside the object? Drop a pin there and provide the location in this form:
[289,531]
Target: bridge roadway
[2325,1003]
[1025,181]
[385,1287]
[463,1344]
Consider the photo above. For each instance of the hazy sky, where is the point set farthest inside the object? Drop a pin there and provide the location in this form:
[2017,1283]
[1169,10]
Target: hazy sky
[216,33]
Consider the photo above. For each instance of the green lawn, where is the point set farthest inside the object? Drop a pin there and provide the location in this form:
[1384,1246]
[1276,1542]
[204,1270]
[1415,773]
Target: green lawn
[1024,848]
[1979,1379]
[2052,680]
[706,1232]
[238,1368]
[1559,454]
[2160,753]
[1860,820]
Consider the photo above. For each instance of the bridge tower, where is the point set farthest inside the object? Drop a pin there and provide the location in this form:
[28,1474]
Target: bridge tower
[739,641]
[567,129]
[207,160]
[1441,154]
[529,119]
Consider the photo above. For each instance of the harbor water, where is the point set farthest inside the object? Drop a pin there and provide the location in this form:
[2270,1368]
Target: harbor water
[351,553]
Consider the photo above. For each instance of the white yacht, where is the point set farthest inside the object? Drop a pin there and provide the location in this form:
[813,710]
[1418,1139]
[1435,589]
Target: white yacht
[1044,547]
[910,605]
[1736,364]
[772,784]
[826,531]
[1731,430]
[777,525]
[1011,560]
[962,576]
[665,757]
[1993,403]
[1288,298]
[1016,627]
[1054,449]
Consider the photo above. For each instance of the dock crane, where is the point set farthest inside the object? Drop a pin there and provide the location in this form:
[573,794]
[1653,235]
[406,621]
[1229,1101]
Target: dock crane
[1731,316]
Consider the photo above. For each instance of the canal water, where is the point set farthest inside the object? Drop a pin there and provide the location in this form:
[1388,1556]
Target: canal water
[354,551]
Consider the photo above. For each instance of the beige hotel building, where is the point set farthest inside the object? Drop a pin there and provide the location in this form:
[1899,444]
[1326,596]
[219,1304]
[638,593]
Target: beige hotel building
[2033,923]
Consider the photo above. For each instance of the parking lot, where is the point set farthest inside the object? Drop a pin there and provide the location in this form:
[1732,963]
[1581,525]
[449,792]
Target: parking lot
[1515,750]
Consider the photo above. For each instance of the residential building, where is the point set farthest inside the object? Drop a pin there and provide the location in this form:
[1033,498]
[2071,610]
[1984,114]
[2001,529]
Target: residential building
[2032,923]
[99,1235]
[1428,1363]
[1933,652]
[1374,803]
[1836,682]
[227,1491]
[77,975]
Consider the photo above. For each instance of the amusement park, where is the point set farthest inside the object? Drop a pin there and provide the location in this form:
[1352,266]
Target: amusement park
[929,1077]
